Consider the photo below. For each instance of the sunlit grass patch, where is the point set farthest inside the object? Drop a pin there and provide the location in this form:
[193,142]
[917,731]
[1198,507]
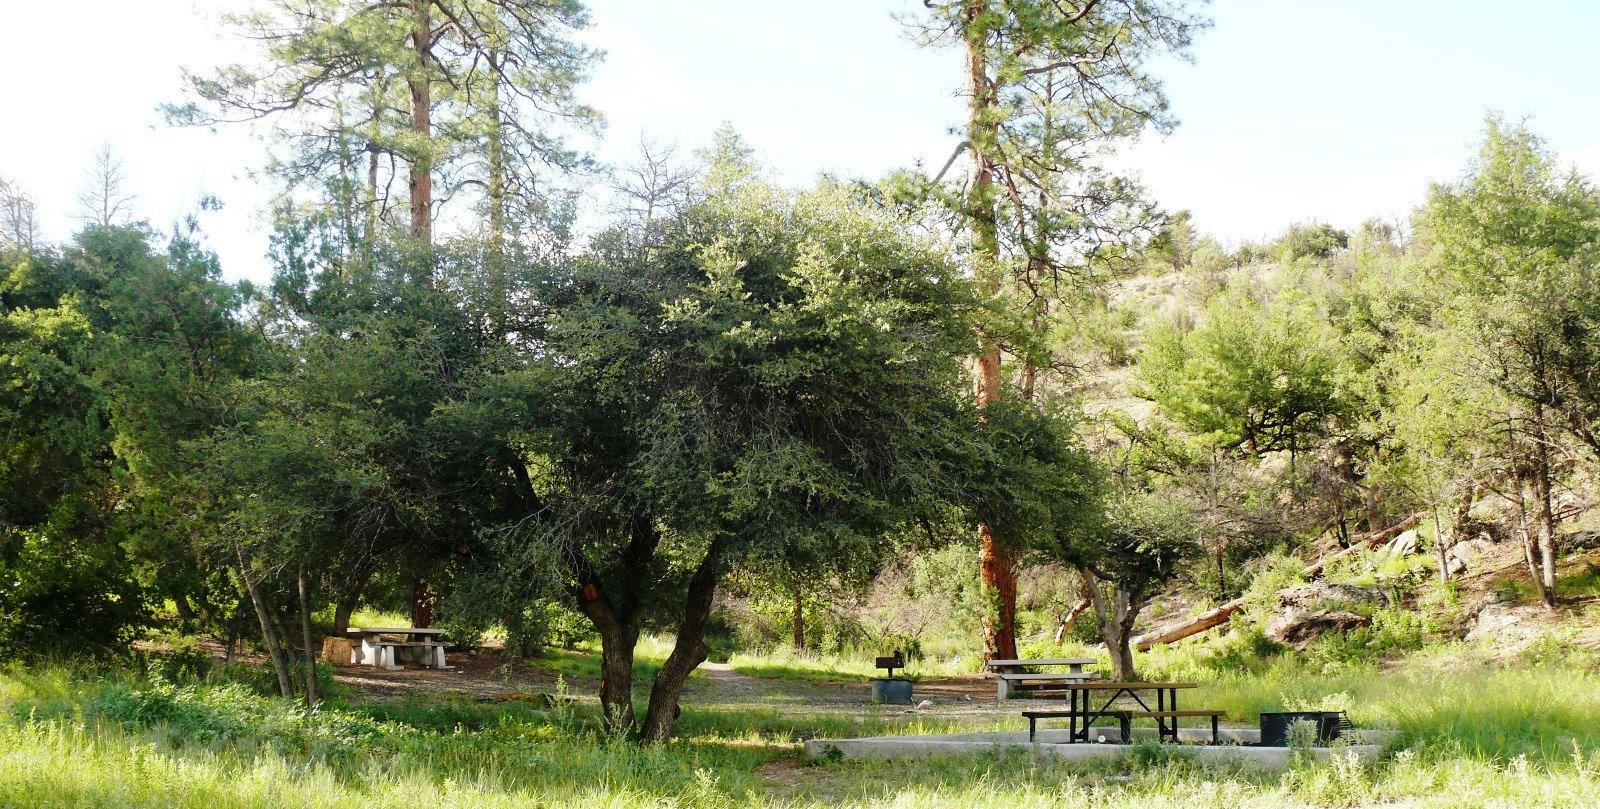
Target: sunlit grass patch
[787,663]
[1471,734]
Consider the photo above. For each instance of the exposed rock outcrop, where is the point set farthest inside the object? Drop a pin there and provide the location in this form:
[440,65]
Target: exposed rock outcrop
[1581,541]
[1405,544]
[1298,628]
[1319,594]
[1508,627]
[1465,556]
[1314,609]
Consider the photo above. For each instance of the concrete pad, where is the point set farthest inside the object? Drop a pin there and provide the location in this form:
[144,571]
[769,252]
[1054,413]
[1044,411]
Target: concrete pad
[1053,743]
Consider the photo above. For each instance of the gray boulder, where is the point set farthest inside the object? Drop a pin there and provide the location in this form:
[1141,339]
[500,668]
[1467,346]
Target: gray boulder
[1320,594]
[1581,541]
[1462,556]
[1298,628]
[1405,544]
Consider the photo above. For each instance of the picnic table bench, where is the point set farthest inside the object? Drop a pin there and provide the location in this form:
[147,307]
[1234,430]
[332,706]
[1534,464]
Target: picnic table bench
[1082,714]
[1011,675]
[378,647]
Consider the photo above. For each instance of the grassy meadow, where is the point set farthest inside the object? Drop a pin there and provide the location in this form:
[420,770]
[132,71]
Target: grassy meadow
[1470,734]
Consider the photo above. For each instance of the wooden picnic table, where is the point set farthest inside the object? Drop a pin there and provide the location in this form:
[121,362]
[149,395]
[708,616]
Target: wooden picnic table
[1082,714]
[1010,677]
[378,651]
[1074,663]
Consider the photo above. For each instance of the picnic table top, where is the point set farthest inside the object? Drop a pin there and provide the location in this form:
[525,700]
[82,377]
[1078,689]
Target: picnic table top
[1047,661]
[1111,685]
[1049,675]
[357,630]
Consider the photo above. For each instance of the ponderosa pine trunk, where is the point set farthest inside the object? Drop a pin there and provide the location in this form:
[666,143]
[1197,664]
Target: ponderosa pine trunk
[496,158]
[420,83]
[997,563]
[688,650]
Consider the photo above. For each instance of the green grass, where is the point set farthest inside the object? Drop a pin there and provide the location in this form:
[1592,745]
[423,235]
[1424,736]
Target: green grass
[1471,735]
[584,662]
[785,663]
[1585,583]
[367,616]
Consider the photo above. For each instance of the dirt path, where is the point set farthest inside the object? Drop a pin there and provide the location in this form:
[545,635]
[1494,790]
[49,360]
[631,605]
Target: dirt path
[488,676]
[732,682]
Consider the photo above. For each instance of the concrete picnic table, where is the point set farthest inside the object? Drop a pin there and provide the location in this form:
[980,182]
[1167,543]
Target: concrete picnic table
[375,651]
[1010,676]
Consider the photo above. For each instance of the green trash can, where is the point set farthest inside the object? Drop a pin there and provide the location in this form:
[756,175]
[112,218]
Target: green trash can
[891,691]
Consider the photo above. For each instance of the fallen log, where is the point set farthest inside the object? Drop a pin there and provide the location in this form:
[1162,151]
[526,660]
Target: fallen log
[1215,617]
[1210,619]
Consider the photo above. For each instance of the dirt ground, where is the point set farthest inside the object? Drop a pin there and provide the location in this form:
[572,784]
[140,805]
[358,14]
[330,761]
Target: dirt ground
[486,675]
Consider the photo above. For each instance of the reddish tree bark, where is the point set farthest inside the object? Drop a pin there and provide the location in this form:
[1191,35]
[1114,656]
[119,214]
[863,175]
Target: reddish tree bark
[420,84]
[998,563]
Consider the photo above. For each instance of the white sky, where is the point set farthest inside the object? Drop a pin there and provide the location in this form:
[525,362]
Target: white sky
[1292,110]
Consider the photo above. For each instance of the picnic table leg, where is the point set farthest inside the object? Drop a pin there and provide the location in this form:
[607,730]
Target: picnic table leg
[1126,723]
[1174,700]
[1032,723]
[1214,729]
[1161,705]
[1072,717]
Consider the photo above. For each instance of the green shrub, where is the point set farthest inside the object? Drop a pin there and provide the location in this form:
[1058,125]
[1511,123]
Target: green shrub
[60,596]
[183,664]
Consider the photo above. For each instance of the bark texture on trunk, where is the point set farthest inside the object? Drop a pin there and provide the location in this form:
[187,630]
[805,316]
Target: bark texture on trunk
[618,620]
[269,627]
[303,586]
[618,627]
[421,87]
[688,650]
[421,604]
[1117,611]
[998,563]
[616,675]
[348,600]
[496,158]
[1065,621]
[799,618]
[1546,514]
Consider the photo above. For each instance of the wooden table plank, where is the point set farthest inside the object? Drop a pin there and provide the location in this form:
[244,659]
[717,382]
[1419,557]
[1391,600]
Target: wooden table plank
[1049,661]
[1103,685]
